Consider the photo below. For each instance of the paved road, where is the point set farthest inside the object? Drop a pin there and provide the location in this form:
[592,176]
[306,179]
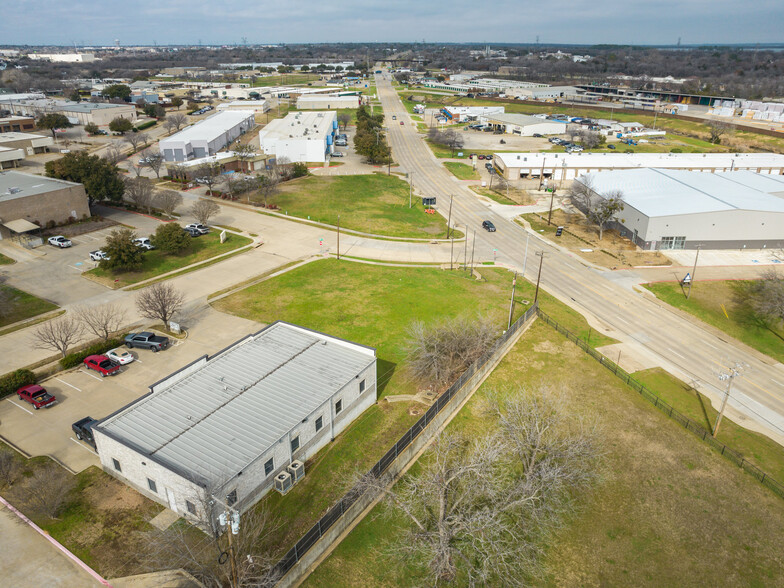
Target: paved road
[647,330]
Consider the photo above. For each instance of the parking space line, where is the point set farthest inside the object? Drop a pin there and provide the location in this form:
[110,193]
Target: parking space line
[76,268]
[17,406]
[67,384]
[80,444]
[92,375]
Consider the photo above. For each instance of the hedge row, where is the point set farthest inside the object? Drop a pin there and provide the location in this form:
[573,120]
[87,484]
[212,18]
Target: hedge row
[74,359]
[147,125]
[11,382]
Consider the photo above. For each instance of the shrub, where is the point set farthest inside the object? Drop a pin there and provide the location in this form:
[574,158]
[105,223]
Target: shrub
[170,238]
[11,382]
[146,125]
[76,358]
[676,150]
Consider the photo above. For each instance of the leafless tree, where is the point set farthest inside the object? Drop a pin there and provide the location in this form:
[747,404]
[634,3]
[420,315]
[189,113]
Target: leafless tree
[136,138]
[343,119]
[438,353]
[204,210]
[167,201]
[573,131]
[139,190]
[449,138]
[590,139]
[604,209]
[9,468]
[209,173]
[113,152]
[153,160]
[267,187]
[44,493]
[243,152]
[58,334]
[763,299]
[717,129]
[102,320]
[483,506]
[160,301]
[168,125]
[177,119]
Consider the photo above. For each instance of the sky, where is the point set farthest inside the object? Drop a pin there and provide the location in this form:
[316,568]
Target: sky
[100,22]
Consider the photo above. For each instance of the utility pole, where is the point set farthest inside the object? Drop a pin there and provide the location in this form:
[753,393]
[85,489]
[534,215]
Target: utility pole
[539,275]
[473,245]
[465,248]
[449,219]
[511,303]
[338,237]
[729,376]
[693,271]
[541,173]
[550,215]
[230,518]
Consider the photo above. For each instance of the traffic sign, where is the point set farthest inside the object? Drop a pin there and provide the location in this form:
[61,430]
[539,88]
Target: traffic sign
[687,279]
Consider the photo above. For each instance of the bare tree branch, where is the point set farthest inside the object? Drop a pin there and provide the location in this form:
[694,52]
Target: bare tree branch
[167,201]
[204,210]
[103,320]
[58,334]
[160,301]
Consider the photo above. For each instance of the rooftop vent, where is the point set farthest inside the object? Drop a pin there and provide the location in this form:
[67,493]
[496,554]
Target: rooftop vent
[14,190]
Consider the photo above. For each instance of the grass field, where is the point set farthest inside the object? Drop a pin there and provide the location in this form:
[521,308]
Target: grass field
[461,171]
[706,303]
[156,262]
[663,145]
[22,305]
[5,260]
[664,506]
[372,305]
[374,203]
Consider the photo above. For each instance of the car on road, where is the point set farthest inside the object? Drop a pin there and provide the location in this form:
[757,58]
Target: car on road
[394,117]
[36,395]
[120,356]
[59,241]
[101,364]
[402,122]
[98,255]
[337,154]
[202,229]
[144,243]
[488,226]
[83,429]
[146,340]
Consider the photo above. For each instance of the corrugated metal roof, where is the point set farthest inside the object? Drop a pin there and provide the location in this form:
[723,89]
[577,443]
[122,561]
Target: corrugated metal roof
[522,120]
[219,419]
[667,192]
[586,160]
[212,127]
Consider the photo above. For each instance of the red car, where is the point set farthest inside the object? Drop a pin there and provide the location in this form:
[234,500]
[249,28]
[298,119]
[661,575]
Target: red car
[36,395]
[101,364]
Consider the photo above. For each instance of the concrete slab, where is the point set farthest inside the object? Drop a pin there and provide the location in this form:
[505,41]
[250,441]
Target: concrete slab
[165,519]
[720,257]
[164,579]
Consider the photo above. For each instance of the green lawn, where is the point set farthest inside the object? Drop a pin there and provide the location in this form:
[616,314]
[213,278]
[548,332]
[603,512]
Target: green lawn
[5,260]
[663,507]
[156,262]
[706,303]
[374,203]
[461,171]
[22,305]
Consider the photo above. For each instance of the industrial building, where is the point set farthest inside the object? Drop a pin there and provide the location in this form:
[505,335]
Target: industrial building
[524,125]
[681,209]
[327,102]
[17,124]
[548,93]
[300,136]
[469,113]
[28,202]
[227,161]
[568,166]
[11,157]
[257,106]
[208,136]
[63,57]
[99,113]
[32,144]
[229,425]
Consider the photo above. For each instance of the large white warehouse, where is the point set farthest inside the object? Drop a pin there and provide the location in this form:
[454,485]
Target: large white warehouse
[681,209]
[208,136]
[522,124]
[300,136]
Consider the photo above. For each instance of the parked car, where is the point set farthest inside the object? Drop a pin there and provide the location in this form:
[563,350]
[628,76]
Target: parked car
[144,160]
[144,243]
[83,429]
[488,226]
[36,395]
[610,146]
[402,122]
[60,241]
[489,165]
[98,255]
[192,232]
[480,156]
[100,132]
[537,135]
[337,154]
[101,364]
[203,229]
[146,340]
[470,155]
[120,356]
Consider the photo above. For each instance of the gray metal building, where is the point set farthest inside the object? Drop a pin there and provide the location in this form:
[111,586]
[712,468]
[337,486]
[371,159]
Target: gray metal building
[680,209]
[227,425]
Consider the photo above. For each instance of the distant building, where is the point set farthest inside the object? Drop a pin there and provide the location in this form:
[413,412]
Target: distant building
[99,113]
[11,157]
[327,102]
[208,136]
[524,125]
[63,57]
[17,124]
[257,106]
[300,136]
[32,144]
[469,113]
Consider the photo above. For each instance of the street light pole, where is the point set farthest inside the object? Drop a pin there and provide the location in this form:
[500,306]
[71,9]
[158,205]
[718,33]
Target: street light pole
[539,275]
[730,377]
[550,215]
[511,303]
[449,218]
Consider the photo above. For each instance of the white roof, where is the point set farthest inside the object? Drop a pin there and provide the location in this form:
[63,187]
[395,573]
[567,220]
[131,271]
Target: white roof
[213,422]
[248,103]
[522,120]
[662,192]
[213,127]
[634,160]
[294,125]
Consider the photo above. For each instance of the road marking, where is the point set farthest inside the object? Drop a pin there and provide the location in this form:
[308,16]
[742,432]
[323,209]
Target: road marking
[678,354]
[622,320]
[777,382]
[17,406]
[709,345]
[67,384]
[92,375]
[80,444]
[78,269]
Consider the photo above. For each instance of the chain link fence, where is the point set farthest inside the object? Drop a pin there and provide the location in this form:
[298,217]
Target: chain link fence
[671,412]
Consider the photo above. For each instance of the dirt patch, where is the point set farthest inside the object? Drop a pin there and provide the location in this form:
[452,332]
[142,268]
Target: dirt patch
[108,495]
[95,224]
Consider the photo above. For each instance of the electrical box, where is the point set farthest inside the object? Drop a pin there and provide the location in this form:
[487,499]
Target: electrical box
[283,482]
[296,469]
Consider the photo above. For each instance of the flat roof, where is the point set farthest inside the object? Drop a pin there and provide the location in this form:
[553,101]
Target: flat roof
[14,184]
[666,192]
[14,136]
[212,127]
[520,119]
[212,423]
[90,106]
[314,125]
[632,160]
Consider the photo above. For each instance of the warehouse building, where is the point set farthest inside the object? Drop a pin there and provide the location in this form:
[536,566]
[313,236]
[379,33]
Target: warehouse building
[257,106]
[38,201]
[568,166]
[82,113]
[228,425]
[300,136]
[547,93]
[208,136]
[681,209]
[469,113]
[524,125]
[17,124]
[11,157]
[32,144]
[327,102]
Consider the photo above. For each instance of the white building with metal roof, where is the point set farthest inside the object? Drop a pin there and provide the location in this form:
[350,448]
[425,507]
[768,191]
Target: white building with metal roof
[227,425]
[300,136]
[208,136]
[682,209]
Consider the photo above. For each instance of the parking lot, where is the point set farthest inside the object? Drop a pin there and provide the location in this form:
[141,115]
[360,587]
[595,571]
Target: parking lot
[81,393]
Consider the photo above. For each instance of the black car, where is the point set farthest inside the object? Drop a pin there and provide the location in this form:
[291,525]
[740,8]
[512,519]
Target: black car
[610,146]
[537,135]
[489,165]
[488,226]
[84,430]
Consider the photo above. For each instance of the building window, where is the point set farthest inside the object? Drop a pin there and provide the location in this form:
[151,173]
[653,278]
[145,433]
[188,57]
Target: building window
[362,386]
[338,406]
[190,506]
[295,444]
[268,467]
[319,423]
[231,498]
[116,465]
[152,485]
[672,243]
